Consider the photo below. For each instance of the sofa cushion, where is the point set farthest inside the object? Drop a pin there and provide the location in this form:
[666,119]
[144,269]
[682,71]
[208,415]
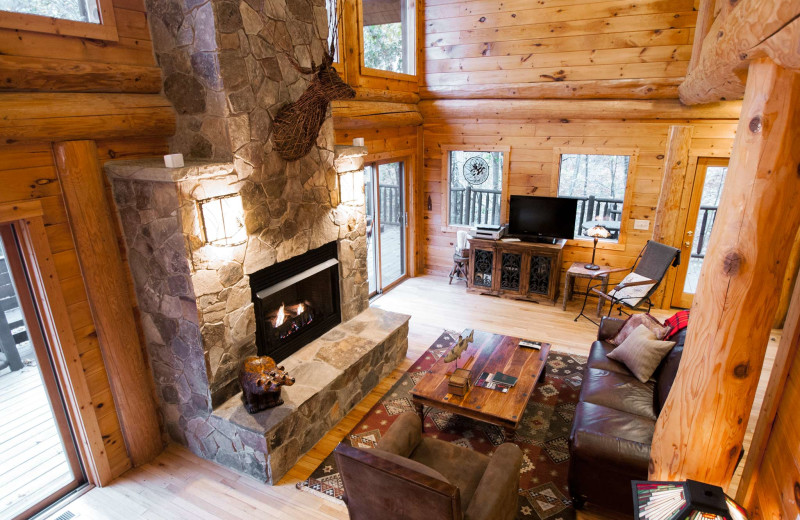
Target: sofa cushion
[667,370]
[612,437]
[641,352]
[598,358]
[633,322]
[461,467]
[621,392]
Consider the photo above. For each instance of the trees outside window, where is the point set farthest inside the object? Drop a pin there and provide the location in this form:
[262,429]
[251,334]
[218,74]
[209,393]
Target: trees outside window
[389,35]
[75,10]
[475,187]
[598,182]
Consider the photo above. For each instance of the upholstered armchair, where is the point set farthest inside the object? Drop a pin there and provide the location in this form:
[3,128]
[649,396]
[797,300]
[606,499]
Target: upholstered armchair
[409,476]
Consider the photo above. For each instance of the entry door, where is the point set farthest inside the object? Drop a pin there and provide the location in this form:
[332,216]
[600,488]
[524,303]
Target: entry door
[384,188]
[38,459]
[707,189]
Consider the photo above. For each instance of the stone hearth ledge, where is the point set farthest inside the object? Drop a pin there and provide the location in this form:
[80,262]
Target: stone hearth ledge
[333,374]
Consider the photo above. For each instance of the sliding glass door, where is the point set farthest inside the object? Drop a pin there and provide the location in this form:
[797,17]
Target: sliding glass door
[38,457]
[384,186]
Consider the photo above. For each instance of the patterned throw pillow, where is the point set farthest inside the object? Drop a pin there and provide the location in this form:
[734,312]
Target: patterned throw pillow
[641,352]
[676,323]
[634,321]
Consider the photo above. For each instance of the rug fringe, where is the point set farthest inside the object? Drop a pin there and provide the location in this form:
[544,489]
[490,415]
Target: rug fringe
[303,486]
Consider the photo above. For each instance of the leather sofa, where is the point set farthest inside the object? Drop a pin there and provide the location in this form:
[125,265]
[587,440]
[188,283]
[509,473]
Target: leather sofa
[408,476]
[614,422]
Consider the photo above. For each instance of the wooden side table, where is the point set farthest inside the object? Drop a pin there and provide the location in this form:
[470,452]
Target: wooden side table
[577,270]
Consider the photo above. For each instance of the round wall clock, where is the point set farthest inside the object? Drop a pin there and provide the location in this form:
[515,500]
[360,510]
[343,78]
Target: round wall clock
[476,170]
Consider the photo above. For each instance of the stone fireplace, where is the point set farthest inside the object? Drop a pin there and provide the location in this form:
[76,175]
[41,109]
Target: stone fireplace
[227,70]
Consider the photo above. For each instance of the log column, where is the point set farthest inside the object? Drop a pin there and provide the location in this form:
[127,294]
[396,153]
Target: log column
[700,430]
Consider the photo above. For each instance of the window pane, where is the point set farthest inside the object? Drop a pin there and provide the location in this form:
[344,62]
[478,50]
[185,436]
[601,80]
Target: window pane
[476,187]
[333,17]
[77,10]
[598,182]
[389,35]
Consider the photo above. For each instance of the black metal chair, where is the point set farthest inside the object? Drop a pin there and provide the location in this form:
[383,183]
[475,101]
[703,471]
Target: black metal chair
[642,280]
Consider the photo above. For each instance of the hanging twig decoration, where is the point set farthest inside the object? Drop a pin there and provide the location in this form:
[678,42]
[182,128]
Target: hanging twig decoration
[296,126]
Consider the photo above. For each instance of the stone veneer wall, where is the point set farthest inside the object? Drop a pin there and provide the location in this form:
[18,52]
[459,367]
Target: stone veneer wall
[227,68]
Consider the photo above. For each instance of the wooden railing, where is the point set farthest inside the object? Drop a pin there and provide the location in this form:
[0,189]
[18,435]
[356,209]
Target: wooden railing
[474,206]
[591,207]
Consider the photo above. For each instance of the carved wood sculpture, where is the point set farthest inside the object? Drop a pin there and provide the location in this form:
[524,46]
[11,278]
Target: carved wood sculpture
[297,124]
[261,381]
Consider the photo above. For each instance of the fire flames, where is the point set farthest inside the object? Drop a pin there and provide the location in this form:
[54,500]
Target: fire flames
[300,309]
[281,316]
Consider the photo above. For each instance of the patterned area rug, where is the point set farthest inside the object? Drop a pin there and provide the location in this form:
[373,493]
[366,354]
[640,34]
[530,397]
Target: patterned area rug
[542,435]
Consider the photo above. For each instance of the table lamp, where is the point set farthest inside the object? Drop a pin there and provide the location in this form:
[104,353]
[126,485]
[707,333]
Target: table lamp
[690,500]
[596,232]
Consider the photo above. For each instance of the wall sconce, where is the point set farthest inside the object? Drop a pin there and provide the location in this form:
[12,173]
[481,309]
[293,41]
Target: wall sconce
[351,187]
[222,220]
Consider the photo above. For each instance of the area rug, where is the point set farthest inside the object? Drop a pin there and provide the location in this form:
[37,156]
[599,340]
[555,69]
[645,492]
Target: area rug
[542,435]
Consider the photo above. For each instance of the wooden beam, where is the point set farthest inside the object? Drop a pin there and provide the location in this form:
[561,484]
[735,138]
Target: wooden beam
[787,350]
[666,88]
[393,96]
[753,29]
[51,117]
[574,109]
[374,114]
[705,17]
[665,228]
[92,223]
[699,432]
[789,280]
[52,75]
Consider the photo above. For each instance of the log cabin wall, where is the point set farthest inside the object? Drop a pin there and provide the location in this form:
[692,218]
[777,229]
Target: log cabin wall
[532,159]
[55,88]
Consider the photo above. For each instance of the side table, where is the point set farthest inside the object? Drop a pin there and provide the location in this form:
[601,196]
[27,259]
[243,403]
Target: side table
[577,270]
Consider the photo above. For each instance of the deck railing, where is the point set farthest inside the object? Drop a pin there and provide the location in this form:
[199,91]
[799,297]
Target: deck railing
[591,207]
[474,206]
[705,220]
[391,205]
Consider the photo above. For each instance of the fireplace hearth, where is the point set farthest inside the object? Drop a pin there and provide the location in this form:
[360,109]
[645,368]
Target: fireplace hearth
[296,301]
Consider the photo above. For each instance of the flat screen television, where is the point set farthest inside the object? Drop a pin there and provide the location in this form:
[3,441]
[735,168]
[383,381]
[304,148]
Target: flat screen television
[541,217]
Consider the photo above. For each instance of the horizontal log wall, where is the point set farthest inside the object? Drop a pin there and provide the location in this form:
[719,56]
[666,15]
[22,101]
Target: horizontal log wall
[58,88]
[601,49]
[532,155]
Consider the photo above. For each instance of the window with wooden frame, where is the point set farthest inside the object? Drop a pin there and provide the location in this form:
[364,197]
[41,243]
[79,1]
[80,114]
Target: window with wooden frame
[388,37]
[335,29]
[474,186]
[600,180]
[82,18]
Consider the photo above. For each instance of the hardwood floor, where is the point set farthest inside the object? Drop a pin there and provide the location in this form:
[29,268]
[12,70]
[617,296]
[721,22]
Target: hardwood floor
[180,485]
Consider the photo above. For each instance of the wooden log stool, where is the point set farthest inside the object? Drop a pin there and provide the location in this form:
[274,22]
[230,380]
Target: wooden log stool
[460,266]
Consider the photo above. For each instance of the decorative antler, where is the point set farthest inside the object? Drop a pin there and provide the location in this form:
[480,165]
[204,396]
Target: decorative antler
[333,22]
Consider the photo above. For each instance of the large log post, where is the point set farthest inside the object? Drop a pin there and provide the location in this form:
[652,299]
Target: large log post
[92,222]
[668,210]
[700,430]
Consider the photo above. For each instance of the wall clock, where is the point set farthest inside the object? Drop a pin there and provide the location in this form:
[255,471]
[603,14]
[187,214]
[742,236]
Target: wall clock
[476,170]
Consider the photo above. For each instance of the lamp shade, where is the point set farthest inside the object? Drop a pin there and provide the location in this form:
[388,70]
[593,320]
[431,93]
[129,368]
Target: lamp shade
[598,232]
[690,500]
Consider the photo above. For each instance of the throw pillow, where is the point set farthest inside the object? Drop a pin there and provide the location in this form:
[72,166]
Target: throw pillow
[641,352]
[634,321]
[676,323]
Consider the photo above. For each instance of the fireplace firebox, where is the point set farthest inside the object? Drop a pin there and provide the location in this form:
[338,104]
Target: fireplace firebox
[296,301]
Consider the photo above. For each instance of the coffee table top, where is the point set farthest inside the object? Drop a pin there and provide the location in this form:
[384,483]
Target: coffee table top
[492,353]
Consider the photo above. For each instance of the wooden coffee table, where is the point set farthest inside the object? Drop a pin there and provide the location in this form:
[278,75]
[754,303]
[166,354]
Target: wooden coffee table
[493,353]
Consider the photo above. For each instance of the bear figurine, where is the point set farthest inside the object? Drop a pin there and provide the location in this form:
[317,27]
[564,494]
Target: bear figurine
[261,381]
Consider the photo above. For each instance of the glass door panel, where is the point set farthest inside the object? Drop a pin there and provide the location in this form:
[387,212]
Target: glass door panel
[708,184]
[372,256]
[392,222]
[38,458]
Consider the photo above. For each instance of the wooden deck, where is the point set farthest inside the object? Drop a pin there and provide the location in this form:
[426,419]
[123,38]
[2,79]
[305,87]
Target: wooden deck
[180,485]
[32,460]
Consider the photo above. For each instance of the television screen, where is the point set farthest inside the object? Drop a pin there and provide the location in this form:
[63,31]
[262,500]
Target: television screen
[551,217]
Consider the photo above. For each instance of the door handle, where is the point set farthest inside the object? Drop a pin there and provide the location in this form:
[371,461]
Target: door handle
[687,244]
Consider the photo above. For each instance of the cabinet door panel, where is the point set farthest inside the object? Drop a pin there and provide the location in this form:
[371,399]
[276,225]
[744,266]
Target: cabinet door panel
[540,273]
[483,269]
[510,271]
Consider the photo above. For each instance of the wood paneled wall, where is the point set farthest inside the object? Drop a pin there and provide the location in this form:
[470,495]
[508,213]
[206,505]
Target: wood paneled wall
[39,65]
[532,158]
[501,49]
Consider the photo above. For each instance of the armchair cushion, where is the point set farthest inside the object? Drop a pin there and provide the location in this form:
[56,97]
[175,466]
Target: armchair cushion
[496,494]
[404,435]
[461,467]
[618,392]
[632,290]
